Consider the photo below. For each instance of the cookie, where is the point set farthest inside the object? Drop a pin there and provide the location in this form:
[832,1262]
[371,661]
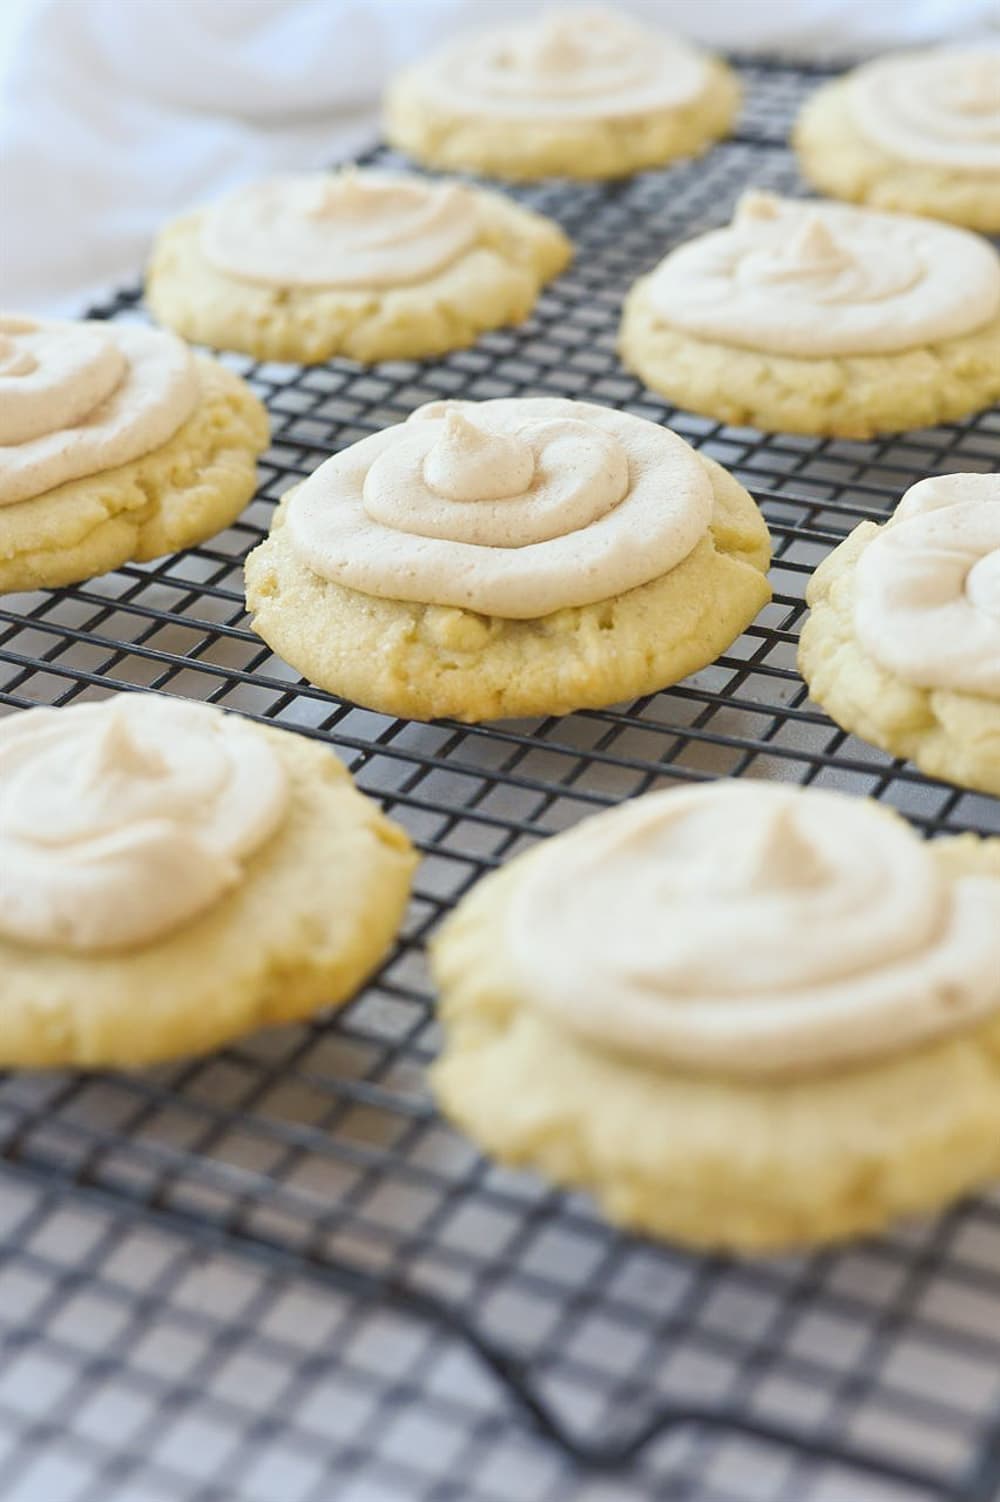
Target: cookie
[821,319]
[582,93]
[370,265]
[511,557]
[116,443]
[743,1016]
[902,645]
[179,877]
[918,132]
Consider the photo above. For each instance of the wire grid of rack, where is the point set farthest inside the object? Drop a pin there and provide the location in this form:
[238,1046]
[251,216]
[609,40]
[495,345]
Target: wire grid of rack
[311,1158]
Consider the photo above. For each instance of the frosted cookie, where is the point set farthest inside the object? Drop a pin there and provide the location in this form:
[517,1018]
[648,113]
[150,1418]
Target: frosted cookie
[513,557]
[577,93]
[175,877]
[816,318]
[371,265]
[918,132]
[903,643]
[743,1016]
[116,443]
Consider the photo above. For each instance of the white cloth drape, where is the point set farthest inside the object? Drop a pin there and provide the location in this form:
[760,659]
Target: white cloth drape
[115,114]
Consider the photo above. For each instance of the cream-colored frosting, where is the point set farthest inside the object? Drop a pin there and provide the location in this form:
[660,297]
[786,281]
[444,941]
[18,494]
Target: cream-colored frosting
[754,930]
[927,602]
[573,64]
[513,508]
[347,229]
[122,820]
[80,398]
[938,108]
[794,277]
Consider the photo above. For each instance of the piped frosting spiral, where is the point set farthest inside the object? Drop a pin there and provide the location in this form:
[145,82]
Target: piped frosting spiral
[752,930]
[573,64]
[80,398]
[512,508]
[350,229]
[122,820]
[927,603]
[939,108]
[790,277]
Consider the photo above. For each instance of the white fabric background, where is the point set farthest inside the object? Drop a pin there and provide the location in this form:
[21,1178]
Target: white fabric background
[115,114]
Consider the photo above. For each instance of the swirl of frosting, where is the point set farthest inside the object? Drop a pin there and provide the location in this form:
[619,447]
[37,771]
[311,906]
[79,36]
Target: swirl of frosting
[937,108]
[927,602]
[799,278]
[566,65]
[122,820]
[348,229]
[80,398]
[513,508]
[754,930]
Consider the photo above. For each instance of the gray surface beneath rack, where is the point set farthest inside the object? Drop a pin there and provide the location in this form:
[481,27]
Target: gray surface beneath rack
[156,1372]
[198,1296]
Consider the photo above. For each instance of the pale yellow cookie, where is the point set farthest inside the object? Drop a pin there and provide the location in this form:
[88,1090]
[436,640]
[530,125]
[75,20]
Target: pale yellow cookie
[941,723]
[314,909]
[754,377]
[428,660]
[842,397]
[587,148]
[704,1157]
[174,495]
[838,158]
[471,260]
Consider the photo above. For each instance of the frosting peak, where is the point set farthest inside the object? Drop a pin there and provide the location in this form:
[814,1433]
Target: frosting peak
[927,603]
[817,280]
[469,463]
[80,398]
[350,229]
[346,194]
[117,753]
[777,856]
[510,508]
[567,64]
[122,820]
[558,45]
[812,252]
[754,930]
[814,246]
[937,108]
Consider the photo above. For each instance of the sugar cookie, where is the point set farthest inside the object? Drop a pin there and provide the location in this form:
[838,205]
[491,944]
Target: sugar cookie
[177,877]
[918,132]
[903,642]
[370,265]
[577,93]
[116,443]
[743,1015]
[511,557]
[817,318]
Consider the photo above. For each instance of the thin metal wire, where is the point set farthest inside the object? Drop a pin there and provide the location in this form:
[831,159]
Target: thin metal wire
[316,1153]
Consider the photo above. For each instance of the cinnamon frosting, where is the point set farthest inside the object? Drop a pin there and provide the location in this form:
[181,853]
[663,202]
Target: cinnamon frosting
[122,820]
[792,277]
[513,508]
[927,605]
[351,229]
[573,64]
[753,930]
[80,398]
[938,108]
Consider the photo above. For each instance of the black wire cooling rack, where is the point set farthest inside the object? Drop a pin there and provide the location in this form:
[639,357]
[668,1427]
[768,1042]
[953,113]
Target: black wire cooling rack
[311,1158]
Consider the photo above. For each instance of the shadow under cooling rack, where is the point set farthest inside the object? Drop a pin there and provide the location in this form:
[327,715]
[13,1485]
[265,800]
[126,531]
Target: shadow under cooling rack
[316,1151]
